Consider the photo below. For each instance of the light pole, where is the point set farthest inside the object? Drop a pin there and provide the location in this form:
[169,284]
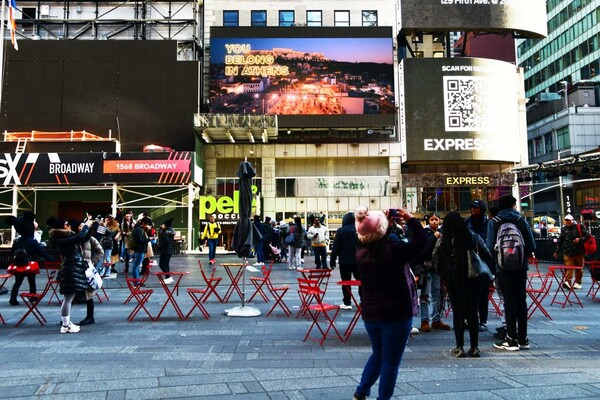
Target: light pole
[560,187]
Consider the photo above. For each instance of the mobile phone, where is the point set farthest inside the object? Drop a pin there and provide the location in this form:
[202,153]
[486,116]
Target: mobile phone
[393,212]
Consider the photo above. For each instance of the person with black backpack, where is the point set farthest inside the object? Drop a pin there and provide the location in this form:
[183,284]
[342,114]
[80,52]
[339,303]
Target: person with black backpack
[510,238]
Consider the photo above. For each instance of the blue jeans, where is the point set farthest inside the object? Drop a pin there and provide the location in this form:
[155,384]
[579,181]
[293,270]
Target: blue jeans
[260,253]
[430,295]
[388,340]
[106,270]
[212,248]
[137,263]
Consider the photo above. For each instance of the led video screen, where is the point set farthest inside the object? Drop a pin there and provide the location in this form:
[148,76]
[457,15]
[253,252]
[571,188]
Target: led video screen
[527,17]
[305,75]
[455,109]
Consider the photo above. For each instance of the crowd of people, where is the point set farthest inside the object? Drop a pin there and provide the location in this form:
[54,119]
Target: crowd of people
[84,247]
[407,269]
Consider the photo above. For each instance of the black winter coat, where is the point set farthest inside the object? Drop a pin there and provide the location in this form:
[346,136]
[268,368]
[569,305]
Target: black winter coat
[346,242]
[165,241]
[140,238]
[72,267]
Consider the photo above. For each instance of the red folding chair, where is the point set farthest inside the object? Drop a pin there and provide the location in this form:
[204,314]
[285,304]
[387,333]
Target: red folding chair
[278,292]
[197,295]
[143,278]
[259,282]
[3,279]
[593,266]
[310,289]
[140,295]
[32,301]
[321,277]
[211,283]
[493,302]
[538,287]
[533,263]
[52,268]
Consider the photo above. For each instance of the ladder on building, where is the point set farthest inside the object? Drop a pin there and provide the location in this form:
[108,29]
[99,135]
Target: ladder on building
[21,144]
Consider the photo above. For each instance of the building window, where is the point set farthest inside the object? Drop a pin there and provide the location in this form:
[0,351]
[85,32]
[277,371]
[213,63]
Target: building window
[530,148]
[563,140]
[258,18]
[369,18]
[314,18]
[341,18]
[539,148]
[548,141]
[231,18]
[286,18]
[285,187]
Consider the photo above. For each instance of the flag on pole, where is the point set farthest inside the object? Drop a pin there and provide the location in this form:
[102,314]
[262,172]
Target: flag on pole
[12,25]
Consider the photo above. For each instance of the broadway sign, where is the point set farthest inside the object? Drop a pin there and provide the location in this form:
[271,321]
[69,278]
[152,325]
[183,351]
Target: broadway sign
[170,168]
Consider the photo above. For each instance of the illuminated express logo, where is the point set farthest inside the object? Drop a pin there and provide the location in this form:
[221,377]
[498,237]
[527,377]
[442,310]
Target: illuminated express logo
[241,61]
[223,205]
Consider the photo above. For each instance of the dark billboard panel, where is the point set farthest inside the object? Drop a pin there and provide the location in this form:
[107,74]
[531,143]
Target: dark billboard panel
[314,73]
[136,89]
[527,17]
[459,109]
[65,169]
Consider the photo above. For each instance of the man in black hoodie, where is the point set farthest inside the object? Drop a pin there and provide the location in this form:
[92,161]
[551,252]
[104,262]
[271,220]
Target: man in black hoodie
[344,246]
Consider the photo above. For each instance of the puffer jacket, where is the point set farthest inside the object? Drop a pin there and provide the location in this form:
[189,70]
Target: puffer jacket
[72,267]
[92,250]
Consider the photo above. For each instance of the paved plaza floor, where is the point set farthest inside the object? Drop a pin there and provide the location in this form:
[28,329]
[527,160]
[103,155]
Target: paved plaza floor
[266,358]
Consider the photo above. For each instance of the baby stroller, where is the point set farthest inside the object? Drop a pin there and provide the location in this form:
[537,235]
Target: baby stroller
[272,254]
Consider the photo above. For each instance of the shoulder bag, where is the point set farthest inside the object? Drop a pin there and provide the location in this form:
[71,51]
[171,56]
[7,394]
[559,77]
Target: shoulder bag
[476,266]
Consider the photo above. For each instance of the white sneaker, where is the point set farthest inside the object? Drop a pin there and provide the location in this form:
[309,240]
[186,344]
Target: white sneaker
[345,307]
[169,280]
[414,331]
[577,285]
[71,328]
[299,268]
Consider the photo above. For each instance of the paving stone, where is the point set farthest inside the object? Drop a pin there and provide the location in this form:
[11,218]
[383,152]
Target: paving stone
[266,358]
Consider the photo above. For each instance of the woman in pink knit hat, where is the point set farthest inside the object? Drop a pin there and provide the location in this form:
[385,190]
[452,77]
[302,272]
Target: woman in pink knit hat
[389,295]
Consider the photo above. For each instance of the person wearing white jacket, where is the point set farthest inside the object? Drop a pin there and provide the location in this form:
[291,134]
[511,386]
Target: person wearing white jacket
[319,238]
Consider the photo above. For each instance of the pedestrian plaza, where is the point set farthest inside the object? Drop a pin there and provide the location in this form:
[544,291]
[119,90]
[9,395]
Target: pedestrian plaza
[262,357]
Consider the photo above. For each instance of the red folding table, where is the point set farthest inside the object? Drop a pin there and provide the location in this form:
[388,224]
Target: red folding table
[171,291]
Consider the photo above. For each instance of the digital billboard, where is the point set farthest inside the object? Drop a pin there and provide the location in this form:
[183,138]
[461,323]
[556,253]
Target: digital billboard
[308,76]
[526,17]
[165,168]
[459,109]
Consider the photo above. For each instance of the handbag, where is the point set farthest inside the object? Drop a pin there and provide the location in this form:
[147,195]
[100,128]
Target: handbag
[289,239]
[93,277]
[477,267]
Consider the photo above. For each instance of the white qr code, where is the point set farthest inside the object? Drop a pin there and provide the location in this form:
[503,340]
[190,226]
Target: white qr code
[469,104]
